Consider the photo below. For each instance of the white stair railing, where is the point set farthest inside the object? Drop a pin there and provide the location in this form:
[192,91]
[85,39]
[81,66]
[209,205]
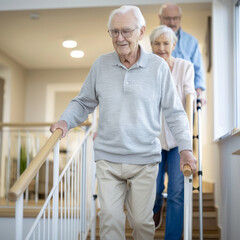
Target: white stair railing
[19,143]
[67,211]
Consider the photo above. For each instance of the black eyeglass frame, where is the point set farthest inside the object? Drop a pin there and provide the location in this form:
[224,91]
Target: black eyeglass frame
[127,34]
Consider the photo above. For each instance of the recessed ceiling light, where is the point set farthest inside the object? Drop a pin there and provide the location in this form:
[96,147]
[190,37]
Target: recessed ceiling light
[77,54]
[34,15]
[69,44]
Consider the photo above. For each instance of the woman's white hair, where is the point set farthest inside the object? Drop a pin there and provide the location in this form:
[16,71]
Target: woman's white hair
[160,30]
[127,8]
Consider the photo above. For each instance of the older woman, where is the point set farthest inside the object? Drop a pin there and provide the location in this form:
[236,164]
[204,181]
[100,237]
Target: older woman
[163,41]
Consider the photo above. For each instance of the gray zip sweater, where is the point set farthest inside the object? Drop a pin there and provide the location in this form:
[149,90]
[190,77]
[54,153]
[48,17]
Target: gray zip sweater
[130,102]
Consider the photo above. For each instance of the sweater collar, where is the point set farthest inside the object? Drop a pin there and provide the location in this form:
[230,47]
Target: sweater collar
[141,62]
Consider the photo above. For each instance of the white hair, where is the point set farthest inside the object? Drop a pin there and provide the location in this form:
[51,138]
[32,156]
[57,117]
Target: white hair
[169,4]
[160,30]
[127,8]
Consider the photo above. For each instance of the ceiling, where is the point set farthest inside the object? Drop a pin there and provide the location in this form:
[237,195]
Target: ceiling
[37,43]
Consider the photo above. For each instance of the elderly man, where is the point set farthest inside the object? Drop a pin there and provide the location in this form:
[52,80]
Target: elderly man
[131,88]
[187,46]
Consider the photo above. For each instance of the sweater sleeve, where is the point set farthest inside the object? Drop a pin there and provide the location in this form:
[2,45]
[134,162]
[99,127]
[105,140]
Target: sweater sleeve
[78,109]
[174,113]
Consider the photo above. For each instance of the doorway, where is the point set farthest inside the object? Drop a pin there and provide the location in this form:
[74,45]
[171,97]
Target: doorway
[1,98]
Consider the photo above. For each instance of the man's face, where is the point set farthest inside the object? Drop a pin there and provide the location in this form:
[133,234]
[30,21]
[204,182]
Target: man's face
[171,17]
[127,24]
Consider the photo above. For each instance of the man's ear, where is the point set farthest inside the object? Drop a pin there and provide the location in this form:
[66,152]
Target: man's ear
[159,18]
[142,31]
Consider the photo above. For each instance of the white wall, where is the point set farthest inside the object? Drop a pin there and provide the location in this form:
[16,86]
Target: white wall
[38,83]
[227,168]
[7,227]
[14,90]
[62,99]
[46,4]
[223,63]
[229,215]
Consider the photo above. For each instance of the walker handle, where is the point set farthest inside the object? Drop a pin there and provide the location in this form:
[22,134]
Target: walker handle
[187,171]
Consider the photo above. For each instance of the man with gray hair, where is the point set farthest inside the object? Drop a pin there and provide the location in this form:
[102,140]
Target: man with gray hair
[187,46]
[131,88]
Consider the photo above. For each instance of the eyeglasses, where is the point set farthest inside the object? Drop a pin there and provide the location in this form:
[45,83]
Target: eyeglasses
[126,32]
[168,19]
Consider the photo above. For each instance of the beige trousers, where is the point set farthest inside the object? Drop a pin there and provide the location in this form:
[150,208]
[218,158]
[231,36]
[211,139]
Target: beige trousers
[132,185]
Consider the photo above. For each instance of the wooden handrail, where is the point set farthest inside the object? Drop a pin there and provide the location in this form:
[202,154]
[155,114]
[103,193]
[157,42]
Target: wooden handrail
[236,132]
[35,124]
[27,176]
[24,124]
[187,171]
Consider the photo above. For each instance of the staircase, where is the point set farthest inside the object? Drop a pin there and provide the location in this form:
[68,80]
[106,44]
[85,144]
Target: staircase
[211,230]
[210,218]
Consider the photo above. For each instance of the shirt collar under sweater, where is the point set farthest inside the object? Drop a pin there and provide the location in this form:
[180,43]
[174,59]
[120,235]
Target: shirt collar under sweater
[141,62]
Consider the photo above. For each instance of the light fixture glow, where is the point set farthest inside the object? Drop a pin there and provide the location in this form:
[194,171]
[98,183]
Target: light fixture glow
[34,15]
[77,54]
[69,44]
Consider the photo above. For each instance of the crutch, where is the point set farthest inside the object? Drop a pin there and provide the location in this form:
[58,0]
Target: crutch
[187,172]
[187,203]
[199,188]
[198,153]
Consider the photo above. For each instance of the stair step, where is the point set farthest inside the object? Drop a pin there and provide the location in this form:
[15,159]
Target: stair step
[209,219]
[159,235]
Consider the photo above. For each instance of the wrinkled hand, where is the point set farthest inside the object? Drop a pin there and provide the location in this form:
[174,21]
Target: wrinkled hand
[60,125]
[186,157]
[199,96]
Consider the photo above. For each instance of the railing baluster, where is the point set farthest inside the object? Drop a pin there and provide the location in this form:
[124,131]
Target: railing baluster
[39,229]
[8,163]
[93,202]
[28,161]
[19,218]
[67,153]
[46,177]
[44,225]
[61,209]
[55,196]
[83,192]
[68,201]
[72,200]
[37,176]
[18,154]
[78,193]
[75,199]
[65,206]
[49,214]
